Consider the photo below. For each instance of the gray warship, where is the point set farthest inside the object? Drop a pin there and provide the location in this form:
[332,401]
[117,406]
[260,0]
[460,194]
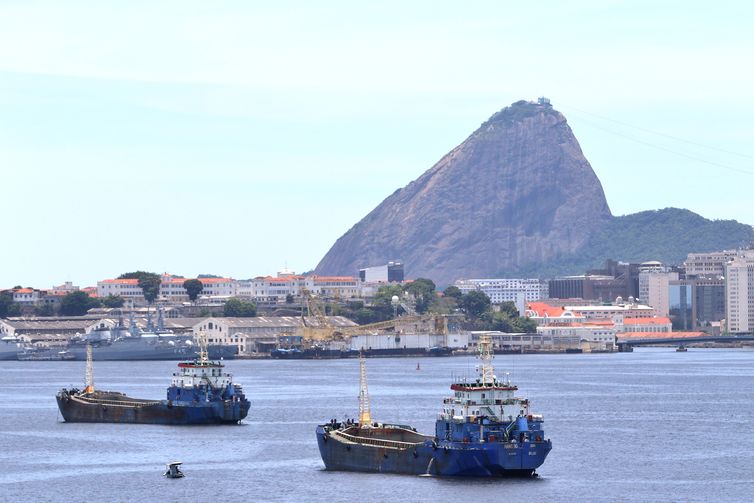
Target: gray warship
[9,348]
[131,343]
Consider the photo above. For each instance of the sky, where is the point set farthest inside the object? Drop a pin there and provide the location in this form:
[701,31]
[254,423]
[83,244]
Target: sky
[239,137]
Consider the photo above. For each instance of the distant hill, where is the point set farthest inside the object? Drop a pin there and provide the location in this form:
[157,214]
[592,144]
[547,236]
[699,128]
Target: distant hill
[517,197]
[667,235]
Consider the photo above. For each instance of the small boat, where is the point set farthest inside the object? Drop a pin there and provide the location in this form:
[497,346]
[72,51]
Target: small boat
[173,470]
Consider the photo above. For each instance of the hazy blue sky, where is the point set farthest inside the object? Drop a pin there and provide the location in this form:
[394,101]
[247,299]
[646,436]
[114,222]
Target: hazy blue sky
[235,137]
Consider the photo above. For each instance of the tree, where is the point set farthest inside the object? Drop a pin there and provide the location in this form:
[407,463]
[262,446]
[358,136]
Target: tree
[113,301]
[240,308]
[149,283]
[7,306]
[475,303]
[77,303]
[44,309]
[423,290]
[193,288]
[289,299]
[453,292]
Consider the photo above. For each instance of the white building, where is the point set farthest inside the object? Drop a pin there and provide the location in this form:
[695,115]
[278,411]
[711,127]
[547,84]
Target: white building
[499,290]
[26,295]
[600,336]
[708,264]
[276,289]
[739,293]
[249,333]
[171,288]
[654,288]
[408,341]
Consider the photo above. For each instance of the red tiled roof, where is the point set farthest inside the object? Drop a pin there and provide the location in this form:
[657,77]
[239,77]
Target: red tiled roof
[334,278]
[658,335]
[205,281]
[121,281]
[543,309]
[24,290]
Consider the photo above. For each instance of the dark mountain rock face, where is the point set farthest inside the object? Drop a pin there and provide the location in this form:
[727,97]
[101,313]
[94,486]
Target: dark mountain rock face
[517,192]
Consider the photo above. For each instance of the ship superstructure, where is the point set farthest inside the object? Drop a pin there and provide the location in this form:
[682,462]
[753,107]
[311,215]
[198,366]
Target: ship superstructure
[123,342]
[484,430]
[201,392]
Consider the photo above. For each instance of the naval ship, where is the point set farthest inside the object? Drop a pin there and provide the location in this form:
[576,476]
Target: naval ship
[9,348]
[201,392]
[131,343]
[484,430]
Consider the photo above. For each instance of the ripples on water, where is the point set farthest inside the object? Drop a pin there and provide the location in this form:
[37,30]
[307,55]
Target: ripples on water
[653,425]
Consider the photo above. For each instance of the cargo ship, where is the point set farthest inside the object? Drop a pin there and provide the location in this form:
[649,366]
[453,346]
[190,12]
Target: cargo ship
[201,392]
[484,430]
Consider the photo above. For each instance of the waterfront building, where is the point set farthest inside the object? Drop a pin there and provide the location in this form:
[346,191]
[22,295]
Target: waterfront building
[739,293]
[54,328]
[599,335]
[258,334]
[546,314]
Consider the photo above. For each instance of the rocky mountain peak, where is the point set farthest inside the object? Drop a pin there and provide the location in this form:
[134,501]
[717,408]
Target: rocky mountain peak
[517,191]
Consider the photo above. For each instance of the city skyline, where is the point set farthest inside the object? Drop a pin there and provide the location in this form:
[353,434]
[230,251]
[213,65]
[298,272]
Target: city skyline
[239,138]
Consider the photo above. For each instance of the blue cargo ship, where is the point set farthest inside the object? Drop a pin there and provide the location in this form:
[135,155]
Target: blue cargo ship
[484,430]
[201,392]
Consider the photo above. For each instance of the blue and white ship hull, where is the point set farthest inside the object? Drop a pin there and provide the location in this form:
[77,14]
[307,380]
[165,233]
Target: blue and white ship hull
[483,430]
[491,459]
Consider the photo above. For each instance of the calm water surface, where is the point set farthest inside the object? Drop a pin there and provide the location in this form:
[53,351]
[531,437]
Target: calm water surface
[653,425]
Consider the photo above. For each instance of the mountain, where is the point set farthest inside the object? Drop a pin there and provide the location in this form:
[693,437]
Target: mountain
[517,196]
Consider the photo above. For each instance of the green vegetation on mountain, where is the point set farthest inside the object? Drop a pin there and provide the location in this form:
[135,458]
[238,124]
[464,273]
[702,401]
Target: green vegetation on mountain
[667,235]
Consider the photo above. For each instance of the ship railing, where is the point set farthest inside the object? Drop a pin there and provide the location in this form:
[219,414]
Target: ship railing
[390,444]
[116,403]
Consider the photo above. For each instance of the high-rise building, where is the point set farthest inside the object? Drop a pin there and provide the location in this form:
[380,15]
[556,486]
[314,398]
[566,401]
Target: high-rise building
[708,264]
[654,280]
[739,293]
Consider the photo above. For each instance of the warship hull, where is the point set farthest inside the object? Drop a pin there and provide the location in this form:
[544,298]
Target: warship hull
[422,455]
[113,407]
[143,350]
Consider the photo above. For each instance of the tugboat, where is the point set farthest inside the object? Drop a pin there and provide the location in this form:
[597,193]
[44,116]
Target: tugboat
[484,430]
[200,393]
[173,470]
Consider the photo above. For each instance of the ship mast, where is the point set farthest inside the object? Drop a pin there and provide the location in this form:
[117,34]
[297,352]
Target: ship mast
[201,339]
[486,371]
[89,370]
[365,413]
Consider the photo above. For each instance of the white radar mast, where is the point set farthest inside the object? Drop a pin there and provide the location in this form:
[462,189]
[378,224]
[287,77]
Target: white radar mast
[89,370]
[486,371]
[365,413]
